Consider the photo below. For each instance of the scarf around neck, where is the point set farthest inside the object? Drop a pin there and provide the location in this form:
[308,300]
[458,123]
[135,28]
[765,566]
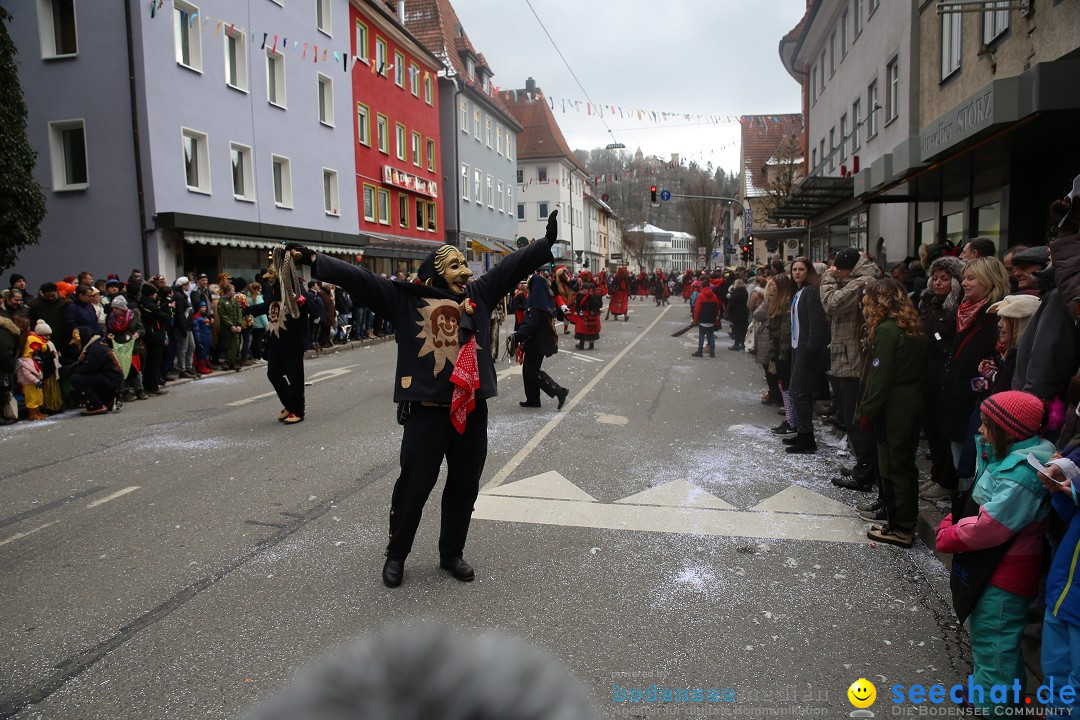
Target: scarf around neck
[967,312]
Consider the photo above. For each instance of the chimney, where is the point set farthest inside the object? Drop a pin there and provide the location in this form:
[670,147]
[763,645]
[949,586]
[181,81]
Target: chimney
[530,86]
[401,12]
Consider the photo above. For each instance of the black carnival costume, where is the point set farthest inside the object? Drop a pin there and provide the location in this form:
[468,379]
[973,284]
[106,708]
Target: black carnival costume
[539,340]
[443,359]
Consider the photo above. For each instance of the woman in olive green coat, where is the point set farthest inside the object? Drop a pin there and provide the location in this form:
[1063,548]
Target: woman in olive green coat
[892,403]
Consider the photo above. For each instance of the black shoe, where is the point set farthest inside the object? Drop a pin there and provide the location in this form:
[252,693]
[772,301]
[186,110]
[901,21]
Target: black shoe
[392,572]
[697,354]
[734,347]
[590,346]
[851,483]
[868,506]
[845,471]
[457,567]
[526,403]
[783,429]
[561,394]
[877,514]
[580,345]
[804,443]
[712,354]
[793,440]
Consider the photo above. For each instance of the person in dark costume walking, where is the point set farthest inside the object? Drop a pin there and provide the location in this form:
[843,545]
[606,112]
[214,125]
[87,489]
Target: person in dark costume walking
[539,340]
[442,383]
[288,307]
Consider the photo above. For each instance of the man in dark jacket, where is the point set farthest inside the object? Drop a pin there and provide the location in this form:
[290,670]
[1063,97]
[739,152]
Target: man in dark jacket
[80,312]
[97,374]
[183,324]
[445,374]
[49,306]
[540,340]
[155,320]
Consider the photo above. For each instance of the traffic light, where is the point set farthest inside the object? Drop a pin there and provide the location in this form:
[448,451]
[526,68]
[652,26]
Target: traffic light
[586,263]
[745,253]
[652,194]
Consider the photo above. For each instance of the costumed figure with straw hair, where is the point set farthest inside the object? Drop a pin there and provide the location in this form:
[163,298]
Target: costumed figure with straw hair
[445,375]
[562,285]
[286,303]
[620,295]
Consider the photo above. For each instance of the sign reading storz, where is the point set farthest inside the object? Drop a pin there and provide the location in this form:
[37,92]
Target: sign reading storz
[995,104]
[402,179]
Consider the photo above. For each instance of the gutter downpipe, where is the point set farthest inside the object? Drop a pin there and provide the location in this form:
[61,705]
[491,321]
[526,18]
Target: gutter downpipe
[135,139]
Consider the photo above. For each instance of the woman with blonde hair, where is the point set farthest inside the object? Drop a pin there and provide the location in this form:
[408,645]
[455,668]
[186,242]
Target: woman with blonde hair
[891,404]
[984,281]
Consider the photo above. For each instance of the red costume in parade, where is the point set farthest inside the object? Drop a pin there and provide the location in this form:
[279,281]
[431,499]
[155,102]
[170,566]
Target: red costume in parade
[620,294]
[587,306]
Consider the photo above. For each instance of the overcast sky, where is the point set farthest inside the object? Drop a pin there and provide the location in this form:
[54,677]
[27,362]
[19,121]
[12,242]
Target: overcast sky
[697,57]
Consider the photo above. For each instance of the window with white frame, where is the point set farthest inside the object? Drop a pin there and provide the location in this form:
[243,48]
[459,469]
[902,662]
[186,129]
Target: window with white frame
[384,206]
[487,131]
[57,29]
[196,148]
[832,54]
[478,191]
[813,83]
[275,78]
[324,20]
[369,203]
[420,223]
[363,124]
[67,151]
[843,137]
[399,69]
[521,211]
[858,17]
[498,139]
[892,90]
[541,174]
[950,44]
[509,146]
[871,112]
[400,141]
[403,210]
[520,176]
[509,197]
[362,41]
[856,123]
[874,5]
[995,21]
[282,168]
[499,192]
[331,206]
[832,149]
[326,100]
[464,182]
[380,56]
[476,123]
[416,149]
[844,40]
[243,172]
[414,79]
[470,68]
[382,133]
[431,155]
[491,192]
[431,216]
[463,110]
[427,89]
[236,68]
[542,210]
[822,66]
[186,35]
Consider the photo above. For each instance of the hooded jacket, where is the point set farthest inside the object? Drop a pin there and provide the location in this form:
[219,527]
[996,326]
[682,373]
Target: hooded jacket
[707,307]
[841,298]
[939,321]
[537,330]
[1047,355]
[427,318]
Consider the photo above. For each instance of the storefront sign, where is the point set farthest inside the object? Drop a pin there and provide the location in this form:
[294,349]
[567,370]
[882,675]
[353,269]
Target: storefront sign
[995,104]
[402,179]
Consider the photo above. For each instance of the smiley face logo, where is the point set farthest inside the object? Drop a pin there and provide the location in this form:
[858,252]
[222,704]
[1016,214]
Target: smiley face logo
[862,693]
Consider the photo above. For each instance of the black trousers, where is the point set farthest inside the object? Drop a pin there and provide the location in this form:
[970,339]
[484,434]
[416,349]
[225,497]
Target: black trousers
[536,379]
[97,390]
[862,441]
[429,437]
[151,368]
[285,370]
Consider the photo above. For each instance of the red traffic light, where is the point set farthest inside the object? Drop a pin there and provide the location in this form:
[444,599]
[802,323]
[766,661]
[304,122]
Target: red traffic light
[652,193]
[746,248]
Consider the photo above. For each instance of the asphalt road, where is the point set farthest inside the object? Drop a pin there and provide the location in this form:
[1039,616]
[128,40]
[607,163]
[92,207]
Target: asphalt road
[185,557]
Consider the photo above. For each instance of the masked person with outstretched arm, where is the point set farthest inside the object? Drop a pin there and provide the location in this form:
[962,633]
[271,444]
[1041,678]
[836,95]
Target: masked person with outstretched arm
[445,375]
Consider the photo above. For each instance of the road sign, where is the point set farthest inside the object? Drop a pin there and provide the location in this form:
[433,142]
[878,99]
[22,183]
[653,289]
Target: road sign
[749,215]
[665,195]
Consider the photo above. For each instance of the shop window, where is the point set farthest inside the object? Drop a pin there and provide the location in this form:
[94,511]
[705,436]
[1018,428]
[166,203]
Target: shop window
[988,222]
[954,228]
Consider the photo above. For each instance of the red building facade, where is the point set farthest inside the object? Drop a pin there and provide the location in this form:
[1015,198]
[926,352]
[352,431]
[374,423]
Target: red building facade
[396,133]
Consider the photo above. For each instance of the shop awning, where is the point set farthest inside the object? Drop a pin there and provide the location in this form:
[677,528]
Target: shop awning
[490,245]
[813,196]
[260,243]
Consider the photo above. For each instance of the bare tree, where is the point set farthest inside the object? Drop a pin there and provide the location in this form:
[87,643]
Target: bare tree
[701,214]
[783,171]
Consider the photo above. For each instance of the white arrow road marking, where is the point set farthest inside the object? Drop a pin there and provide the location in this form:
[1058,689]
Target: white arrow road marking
[551,485]
[605,419]
[316,377]
[579,356]
[113,496]
[677,493]
[524,452]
